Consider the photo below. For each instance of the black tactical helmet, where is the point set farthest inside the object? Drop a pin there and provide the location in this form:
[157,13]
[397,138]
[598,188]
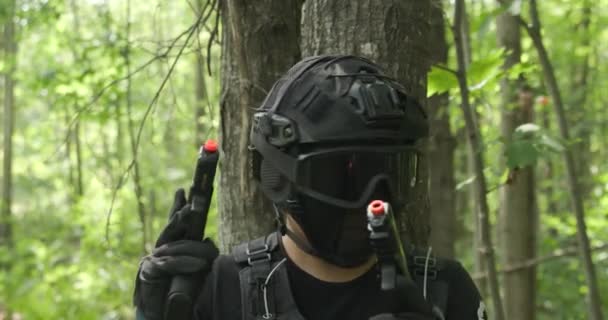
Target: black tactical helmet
[331,134]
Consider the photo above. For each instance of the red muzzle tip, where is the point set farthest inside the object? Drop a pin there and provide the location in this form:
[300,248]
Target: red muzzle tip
[210,146]
[377,207]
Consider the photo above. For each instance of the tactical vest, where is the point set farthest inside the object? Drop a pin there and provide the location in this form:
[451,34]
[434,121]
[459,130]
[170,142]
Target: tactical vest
[266,293]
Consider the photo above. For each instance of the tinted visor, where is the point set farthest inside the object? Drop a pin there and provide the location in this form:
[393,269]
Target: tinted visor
[349,177]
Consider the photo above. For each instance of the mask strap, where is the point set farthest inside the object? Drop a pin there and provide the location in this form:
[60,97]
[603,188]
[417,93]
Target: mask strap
[300,243]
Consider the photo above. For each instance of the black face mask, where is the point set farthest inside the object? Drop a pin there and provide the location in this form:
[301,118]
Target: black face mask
[336,235]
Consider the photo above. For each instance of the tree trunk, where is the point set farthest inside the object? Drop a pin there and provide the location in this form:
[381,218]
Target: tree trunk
[517,227]
[475,149]
[518,213]
[479,258]
[260,42]
[10,59]
[75,133]
[593,294]
[552,204]
[465,30]
[10,46]
[578,112]
[393,34]
[441,150]
[68,154]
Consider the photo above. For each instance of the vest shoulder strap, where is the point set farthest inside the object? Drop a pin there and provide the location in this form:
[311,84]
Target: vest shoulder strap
[257,259]
[256,250]
[425,270]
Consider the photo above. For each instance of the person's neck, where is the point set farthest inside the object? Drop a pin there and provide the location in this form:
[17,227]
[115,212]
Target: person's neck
[316,266]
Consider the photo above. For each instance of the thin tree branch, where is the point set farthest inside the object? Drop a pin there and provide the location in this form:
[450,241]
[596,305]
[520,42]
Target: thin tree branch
[141,208]
[593,294]
[192,31]
[555,255]
[214,34]
[102,91]
[445,68]
[475,148]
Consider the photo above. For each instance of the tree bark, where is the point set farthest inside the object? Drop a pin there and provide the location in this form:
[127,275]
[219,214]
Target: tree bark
[79,187]
[465,30]
[554,207]
[76,132]
[6,215]
[579,114]
[517,221]
[441,150]
[475,148]
[479,263]
[393,34]
[260,42]
[593,294]
[68,153]
[10,51]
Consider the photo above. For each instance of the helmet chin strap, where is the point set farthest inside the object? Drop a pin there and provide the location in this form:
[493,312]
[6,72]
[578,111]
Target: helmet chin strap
[300,243]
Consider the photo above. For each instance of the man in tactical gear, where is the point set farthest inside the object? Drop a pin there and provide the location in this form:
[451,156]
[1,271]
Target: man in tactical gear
[332,135]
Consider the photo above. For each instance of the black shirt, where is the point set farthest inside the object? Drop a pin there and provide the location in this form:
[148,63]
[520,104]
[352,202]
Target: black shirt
[359,299]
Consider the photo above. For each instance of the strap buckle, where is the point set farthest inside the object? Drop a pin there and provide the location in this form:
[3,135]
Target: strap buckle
[258,259]
[253,252]
[258,255]
[421,261]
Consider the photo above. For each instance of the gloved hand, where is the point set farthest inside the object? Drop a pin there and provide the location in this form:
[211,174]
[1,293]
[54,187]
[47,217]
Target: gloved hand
[172,256]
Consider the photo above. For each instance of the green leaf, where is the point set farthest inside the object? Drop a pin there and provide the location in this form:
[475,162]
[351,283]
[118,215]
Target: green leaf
[529,143]
[551,144]
[522,69]
[440,81]
[482,71]
[521,154]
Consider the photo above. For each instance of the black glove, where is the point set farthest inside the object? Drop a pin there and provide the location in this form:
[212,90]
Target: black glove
[172,256]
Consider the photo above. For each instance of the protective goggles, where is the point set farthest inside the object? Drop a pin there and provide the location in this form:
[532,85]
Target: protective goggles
[348,176]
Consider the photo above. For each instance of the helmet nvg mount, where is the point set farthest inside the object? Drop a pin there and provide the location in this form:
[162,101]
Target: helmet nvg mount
[333,133]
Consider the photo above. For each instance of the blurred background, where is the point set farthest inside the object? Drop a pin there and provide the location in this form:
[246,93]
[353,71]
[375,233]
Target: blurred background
[105,103]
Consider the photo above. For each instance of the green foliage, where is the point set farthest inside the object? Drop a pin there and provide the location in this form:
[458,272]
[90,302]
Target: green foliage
[485,70]
[481,72]
[571,45]
[528,144]
[72,259]
[440,80]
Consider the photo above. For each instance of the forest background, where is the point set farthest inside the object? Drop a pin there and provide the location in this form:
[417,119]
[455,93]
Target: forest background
[105,103]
